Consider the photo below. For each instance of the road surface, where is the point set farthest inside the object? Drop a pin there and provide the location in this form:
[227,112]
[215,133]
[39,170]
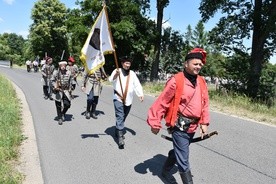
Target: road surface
[85,151]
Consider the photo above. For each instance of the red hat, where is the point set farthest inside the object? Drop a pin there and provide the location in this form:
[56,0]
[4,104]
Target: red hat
[197,53]
[71,59]
[48,58]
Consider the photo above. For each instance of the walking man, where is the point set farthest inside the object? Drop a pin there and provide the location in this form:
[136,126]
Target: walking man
[184,103]
[62,82]
[92,86]
[125,83]
[74,71]
[47,72]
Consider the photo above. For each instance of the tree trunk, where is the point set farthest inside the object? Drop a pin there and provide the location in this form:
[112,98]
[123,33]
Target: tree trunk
[261,30]
[161,4]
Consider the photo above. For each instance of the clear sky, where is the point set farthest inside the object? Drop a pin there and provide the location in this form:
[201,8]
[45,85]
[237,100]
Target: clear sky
[15,15]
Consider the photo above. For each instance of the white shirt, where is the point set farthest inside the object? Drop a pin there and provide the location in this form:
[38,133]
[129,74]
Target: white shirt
[133,86]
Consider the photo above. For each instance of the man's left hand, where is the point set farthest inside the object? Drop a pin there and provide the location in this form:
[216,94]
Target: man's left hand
[203,130]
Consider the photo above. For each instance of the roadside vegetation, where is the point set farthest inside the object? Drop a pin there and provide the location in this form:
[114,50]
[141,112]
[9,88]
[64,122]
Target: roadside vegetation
[10,133]
[229,103]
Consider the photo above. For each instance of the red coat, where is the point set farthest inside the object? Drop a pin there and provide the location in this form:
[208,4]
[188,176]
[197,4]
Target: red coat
[194,103]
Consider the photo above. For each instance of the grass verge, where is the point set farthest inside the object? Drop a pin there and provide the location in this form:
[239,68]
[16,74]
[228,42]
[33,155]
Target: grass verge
[10,133]
[229,103]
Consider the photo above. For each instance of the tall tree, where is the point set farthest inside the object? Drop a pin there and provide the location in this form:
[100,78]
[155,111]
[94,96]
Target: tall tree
[241,18]
[200,36]
[161,4]
[172,46]
[188,36]
[48,32]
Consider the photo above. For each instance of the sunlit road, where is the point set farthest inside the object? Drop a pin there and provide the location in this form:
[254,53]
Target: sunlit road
[84,151]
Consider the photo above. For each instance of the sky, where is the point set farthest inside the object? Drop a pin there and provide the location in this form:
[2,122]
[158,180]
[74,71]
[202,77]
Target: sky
[15,15]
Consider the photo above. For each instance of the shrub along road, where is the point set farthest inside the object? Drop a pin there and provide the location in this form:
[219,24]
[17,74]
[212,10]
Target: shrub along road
[85,151]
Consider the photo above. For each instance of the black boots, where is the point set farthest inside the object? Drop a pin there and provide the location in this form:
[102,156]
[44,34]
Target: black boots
[120,135]
[167,167]
[186,177]
[88,107]
[93,112]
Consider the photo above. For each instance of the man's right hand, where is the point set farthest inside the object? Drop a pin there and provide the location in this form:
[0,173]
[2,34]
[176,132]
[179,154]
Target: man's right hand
[155,130]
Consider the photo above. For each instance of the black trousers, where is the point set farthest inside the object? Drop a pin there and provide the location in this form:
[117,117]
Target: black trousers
[66,106]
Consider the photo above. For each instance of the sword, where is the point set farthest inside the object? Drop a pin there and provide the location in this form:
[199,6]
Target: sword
[197,139]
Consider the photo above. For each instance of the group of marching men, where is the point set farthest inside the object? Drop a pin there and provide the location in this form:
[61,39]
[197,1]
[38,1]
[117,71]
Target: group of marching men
[58,84]
[183,103]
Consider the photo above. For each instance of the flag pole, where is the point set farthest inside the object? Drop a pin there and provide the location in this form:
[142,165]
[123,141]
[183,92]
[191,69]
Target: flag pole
[114,53]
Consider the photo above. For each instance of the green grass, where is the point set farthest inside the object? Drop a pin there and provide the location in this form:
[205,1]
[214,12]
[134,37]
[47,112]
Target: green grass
[10,133]
[229,103]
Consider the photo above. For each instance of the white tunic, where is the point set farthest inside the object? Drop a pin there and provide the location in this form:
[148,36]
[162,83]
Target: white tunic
[133,86]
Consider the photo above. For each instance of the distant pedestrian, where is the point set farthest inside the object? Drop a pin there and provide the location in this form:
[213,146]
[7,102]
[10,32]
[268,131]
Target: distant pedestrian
[47,72]
[74,71]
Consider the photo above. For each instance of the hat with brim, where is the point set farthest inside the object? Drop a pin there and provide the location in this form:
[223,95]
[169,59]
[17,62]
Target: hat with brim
[62,63]
[197,53]
[126,59]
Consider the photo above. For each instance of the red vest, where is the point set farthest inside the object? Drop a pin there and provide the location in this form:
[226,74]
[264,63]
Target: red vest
[171,114]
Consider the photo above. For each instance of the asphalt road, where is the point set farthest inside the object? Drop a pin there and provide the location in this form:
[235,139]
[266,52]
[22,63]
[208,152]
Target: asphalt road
[84,151]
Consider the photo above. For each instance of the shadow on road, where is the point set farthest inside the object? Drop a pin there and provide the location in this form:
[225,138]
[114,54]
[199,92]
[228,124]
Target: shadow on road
[84,136]
[111,131]
[97,112]
[154,165]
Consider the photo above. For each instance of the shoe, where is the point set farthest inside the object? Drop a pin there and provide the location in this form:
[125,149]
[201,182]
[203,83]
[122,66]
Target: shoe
[60,121]
[45,97]
[168,177]
[87,115]
[117,134]
[51,98]
[93,115]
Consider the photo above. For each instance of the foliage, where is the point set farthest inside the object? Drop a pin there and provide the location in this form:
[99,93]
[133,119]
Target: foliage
[11,47]
[267,92]
[130,28]
[172,46]
[48,31]
[236,69]
[241,19]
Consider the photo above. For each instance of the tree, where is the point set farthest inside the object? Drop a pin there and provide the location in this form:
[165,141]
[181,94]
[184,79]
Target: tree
[241,18]
[132,31]
[11,47]
[48,32]
[161,4]
[200,37]
[172,46]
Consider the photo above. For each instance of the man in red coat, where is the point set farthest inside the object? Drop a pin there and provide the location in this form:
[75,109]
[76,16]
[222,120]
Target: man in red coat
[184,103]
